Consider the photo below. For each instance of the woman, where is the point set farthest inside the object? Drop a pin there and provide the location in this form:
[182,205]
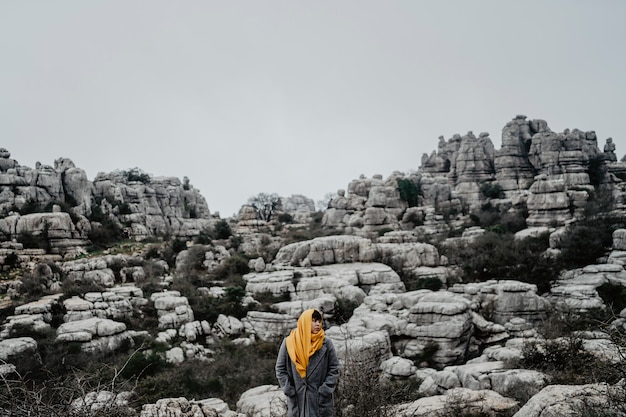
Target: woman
[307,368]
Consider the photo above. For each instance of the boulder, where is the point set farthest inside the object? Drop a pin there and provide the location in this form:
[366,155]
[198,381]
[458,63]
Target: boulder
[102,402]
[456,402]
[269,326]
[180,407]
[262,401]
[565,400]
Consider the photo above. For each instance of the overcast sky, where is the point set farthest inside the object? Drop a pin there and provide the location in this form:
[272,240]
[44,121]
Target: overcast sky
[296,97]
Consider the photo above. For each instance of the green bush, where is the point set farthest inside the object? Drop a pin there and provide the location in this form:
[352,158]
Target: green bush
[285,218]
[499,220]
[362,393]
[29,207]
[409,191]
[144,364]
[232,370]
[597,170]
[613,295]
[137,174]
[203,238]
[429,283]
[567,362]
[500,256]
[491,190]
[34,241]
[344,309]
[105,230]
[587,240]
[234,265]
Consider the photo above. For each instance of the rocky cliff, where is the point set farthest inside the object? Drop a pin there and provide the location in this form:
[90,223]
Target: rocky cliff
[60,204]
[547,176]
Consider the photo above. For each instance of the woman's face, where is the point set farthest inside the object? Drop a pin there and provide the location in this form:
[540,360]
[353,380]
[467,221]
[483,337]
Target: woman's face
[316,326]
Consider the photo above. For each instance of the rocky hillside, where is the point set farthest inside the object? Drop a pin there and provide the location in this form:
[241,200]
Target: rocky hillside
[490,282]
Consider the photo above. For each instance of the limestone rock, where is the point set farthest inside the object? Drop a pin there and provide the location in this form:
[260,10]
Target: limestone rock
[102,402]
[327,250]
[493,375]
[96,334]
[356,352]
[548,203]
[444,320]
[228,326]
[576,289]
[619,240]
[173,309]
[269,326]
[508,299]
[299,207]
[180,407]
[439,382]
[513,169]
[562,400]
[472,165]
[455,402]
[12,349]
[397,367]
[262,401]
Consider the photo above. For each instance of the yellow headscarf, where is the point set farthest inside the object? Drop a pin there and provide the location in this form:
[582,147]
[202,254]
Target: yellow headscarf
[301,343]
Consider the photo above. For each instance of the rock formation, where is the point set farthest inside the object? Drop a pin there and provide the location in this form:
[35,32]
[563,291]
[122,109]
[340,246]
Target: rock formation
[142,205]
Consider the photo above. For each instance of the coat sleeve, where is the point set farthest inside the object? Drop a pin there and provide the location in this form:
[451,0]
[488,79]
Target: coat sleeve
[283,374]
[332,373]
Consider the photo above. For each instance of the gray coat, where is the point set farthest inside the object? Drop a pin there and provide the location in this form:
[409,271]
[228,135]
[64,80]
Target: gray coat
[313,395]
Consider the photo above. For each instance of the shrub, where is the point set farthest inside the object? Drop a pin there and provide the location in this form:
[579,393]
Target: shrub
[34,241]
[597,169]
[491,190]
[232,370]
[567,362]
[499,221]
[29,207]
[344,309]
[614,296]
[587,240]
[361,393]
[409,191]
[179,245]
[500,256]
[21,396]
[235,242]
[105,230]
[11,260]
[124,208]
[234,265]
[267,299]
[202,238]
[428,283]
[137,174]
[415,219]
[143,364]
[73,287]
[33,287]
[285,218]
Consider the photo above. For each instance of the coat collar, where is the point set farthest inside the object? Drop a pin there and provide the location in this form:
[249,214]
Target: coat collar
[316,359]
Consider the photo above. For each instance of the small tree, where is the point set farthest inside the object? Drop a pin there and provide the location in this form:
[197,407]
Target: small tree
[322,205]
[222,230]
[265,205]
